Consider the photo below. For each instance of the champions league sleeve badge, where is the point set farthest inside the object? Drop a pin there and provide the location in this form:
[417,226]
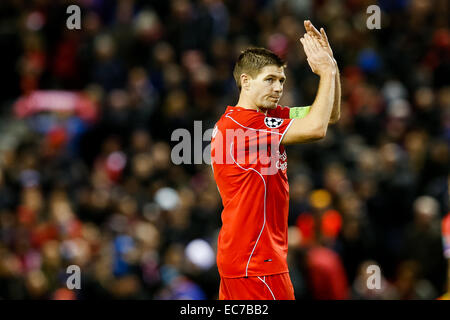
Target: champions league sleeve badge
[273,122]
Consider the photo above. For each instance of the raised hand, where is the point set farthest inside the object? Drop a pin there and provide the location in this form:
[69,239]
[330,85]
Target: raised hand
[317,56]
[320,36]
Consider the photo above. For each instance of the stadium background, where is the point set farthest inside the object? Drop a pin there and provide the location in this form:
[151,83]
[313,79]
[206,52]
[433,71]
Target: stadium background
[92,184]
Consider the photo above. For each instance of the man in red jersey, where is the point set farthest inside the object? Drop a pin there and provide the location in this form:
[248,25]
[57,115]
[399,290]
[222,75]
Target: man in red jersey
[249,162]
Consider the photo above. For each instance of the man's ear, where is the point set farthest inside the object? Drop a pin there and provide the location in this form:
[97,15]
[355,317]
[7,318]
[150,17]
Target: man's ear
[245,81]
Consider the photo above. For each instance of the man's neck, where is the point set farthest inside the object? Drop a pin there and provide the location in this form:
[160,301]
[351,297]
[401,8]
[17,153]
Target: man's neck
[243,103]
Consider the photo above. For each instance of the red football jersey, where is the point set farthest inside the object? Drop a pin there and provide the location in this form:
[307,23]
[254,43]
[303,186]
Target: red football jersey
[249,166]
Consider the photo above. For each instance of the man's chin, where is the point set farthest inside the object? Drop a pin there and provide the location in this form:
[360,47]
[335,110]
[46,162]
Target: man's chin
[269,106]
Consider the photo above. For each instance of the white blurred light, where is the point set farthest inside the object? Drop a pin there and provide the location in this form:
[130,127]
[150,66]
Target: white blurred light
[200,253]
[146,21]
[167,198]
[394,89]
[399,108]
[427,205]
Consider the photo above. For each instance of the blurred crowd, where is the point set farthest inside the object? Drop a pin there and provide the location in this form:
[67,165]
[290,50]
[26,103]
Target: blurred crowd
[103,193]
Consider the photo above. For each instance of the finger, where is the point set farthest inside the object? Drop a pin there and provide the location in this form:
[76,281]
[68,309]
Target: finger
[308,44]
[306,23]
[306,47]
[309,30]
[318,43]
[315,47]
[308,50]
[312,43]
[310,27]
[302,41]
[324,35]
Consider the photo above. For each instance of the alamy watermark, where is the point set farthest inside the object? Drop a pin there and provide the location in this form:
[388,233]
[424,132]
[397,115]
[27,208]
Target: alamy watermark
[74,280]
[241,147]
[374,20]
[374,280]
[182,152]
[74,20]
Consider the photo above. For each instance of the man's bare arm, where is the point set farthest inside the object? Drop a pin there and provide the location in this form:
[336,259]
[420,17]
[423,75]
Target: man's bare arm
[314,126]
[336,112]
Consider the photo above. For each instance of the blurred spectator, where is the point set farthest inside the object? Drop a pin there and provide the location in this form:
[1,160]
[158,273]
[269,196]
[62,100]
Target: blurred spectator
[423,242]
[326,275]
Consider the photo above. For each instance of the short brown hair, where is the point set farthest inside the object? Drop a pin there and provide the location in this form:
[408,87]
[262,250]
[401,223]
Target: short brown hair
[252,60]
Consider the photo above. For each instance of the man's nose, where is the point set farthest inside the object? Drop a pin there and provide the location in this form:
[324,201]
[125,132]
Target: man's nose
[278,87]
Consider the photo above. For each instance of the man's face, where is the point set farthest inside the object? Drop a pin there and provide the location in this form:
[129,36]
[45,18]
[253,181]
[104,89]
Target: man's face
[266,88]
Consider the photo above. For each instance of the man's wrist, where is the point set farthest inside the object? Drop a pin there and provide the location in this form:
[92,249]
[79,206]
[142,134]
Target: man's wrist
[331,71]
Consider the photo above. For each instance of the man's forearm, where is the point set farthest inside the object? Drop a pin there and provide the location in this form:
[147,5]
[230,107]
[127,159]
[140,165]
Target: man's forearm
[314,125]
[336,112]
[322,107]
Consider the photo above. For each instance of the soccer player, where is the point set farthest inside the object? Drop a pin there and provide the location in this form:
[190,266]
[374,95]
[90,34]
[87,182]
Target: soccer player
[249,162]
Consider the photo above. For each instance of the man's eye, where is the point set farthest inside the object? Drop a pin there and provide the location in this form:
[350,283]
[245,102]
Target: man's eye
[270,79]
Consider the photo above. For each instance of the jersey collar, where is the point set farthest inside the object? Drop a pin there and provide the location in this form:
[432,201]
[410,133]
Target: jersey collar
[237,108]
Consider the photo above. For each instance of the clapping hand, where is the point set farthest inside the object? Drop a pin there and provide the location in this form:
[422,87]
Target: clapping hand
[318,58]
[321,37]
